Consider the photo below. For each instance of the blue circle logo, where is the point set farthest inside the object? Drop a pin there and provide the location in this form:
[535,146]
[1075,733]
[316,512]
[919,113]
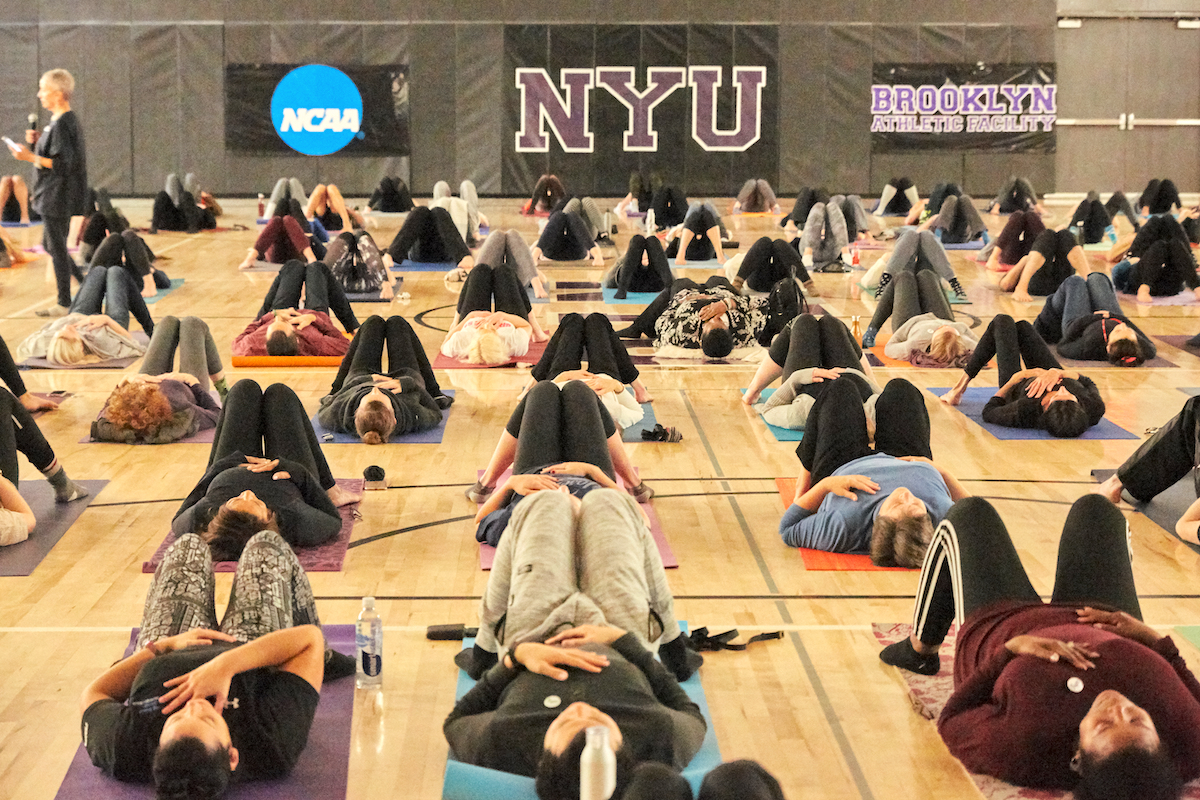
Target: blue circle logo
[316,110]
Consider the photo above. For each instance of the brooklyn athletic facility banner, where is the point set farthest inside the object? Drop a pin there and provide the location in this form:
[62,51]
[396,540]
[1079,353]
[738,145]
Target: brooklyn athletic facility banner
[317,109]
[996,108]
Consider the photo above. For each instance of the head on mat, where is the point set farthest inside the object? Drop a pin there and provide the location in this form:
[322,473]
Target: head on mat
[902,531]
[946,346]
[1062,415]
[487,347]
[375,418]
[196,756]
[235,523]
[1120,755]
[281,338]
[1123,347]
[68,347]
[558,770]
[740,780]
[138,406]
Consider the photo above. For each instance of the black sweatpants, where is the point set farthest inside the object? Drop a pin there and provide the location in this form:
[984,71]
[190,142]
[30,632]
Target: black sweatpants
[1010,343]
[552,426]
[1166,267]
[391,196]
[485,283]
[670,206]
[973,557]
[19,433]
[269,424]
[1054,247]
[806,198]
[634,276]
[1164,458]
[404,351]
[768,261]
[9,372]
[123,249]
[809,341]
[565,237]
[429,235]
[322,292]
[575,336]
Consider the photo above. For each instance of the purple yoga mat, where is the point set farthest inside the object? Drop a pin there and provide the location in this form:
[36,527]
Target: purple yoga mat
[321,773]
[199,437]
[1158,362]
[115,363]
[976,398]
[53,520]
[1178,342]
[53,397]
[327,557]
[1184,298]
[431,436]
[487,553]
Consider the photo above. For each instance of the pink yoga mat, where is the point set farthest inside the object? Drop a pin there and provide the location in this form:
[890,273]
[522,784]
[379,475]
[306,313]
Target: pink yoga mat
[487,553]
[327,557]
[534,354]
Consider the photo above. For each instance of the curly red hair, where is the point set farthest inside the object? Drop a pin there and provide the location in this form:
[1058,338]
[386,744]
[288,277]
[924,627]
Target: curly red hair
[140,407]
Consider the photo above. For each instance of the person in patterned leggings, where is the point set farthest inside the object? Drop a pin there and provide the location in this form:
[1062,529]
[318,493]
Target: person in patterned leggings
[198,701]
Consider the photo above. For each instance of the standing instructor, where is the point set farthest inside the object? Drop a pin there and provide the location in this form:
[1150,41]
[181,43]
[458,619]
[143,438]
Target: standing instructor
[60,191]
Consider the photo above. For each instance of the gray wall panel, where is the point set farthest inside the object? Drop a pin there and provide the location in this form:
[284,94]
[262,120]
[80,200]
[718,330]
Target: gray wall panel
[803,50]
[157,110]
[98,55]
[924,169]
[75,12]
[848,131]
[433,111]
[18,12]
[248,44]
[990,43]
[757,11]
[943,44]
[479,78]
[918,11]
[18,90]
[178,11]
[814,11]
[985,173]
[655,11]
[896,44]
[385,44]
[202,80]
[1032,43]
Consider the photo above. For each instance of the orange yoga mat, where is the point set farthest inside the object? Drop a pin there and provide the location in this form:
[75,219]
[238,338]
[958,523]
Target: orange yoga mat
[286,361]
[821,561]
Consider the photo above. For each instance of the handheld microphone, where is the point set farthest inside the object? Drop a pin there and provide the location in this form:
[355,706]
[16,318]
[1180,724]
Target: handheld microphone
[33,121]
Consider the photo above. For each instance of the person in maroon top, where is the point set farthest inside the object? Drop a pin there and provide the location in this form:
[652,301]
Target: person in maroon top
[281,330]
[1075,693]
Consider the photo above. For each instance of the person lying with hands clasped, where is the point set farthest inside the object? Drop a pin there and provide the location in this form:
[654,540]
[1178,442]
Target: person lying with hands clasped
[575,603]
[852,499]
[1077,693]
[198,705]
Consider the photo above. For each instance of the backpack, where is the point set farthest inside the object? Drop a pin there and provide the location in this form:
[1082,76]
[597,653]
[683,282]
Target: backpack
[785,302]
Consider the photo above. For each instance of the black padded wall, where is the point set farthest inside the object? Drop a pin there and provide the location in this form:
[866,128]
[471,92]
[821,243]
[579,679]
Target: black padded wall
[150,81]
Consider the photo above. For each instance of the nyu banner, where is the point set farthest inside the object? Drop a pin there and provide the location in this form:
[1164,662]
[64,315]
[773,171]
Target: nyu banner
[1000,108]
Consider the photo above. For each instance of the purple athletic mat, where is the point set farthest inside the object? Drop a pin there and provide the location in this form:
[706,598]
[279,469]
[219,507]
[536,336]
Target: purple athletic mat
[115,363]
[327,557]
[976,398]
[1178,342]
[1158,362]
[1167,507]
[200,437]
[55,397]
[321,772]
[53,520]
[431,436]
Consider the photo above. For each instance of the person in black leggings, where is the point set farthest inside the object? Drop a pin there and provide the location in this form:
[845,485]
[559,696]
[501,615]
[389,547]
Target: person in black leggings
[806,198]
[592,337]
[376,405]
[391,197]
[128,250]
[1159,197]
[556,438]
[1075,693]
[769,261]
[567,237]
[643,268]
[897,199]
[1165,267]
[429,235]
[1043,395]
[266,471]
[1054,256]
[321,291]
[1095,219]
[1015,240]
[1017,194]
[700,237]
[176,208]
[19,433]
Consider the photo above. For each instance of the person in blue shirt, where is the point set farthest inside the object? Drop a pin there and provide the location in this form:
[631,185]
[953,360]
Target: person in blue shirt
[851,498]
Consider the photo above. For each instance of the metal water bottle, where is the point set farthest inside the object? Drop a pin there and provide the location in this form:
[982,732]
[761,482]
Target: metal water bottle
[597,766]
[368,640]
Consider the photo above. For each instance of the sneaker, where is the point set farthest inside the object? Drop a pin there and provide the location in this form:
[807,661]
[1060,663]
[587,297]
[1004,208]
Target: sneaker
[456,275]
[642,493]
[444,401]
[650,229]
[53,311]
[338,665]
[478,493]
[902,655]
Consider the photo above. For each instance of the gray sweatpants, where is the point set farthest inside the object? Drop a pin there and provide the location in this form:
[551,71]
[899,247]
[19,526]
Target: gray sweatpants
[592,216]
[508,247]
[825,232]
[918,250]
[198,355]
[270,591]
[553,572]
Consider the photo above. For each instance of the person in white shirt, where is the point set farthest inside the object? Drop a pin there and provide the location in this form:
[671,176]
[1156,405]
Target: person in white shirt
[481,335]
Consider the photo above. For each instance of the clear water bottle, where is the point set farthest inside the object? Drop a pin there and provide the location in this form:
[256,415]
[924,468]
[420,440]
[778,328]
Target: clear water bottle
[368,640]
[597,766]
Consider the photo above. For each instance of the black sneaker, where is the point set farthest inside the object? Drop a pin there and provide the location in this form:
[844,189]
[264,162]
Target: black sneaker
[902,655]
[338,665]
[443,401]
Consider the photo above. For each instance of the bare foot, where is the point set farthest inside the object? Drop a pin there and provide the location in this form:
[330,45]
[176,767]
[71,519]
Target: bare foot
[1111,489]
[1143,295]
[680,261]
[539,289]
[750,398]
[597,260]
[340,497]
[388,261]
[953,397]
[248,262]
[1022,297]
[541,336]
[641,393]
[467,262]
[148,287]
[386,291]
[32,403]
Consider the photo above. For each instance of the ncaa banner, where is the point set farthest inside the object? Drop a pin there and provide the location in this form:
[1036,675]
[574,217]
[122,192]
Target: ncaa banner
[317,110]
[994,108]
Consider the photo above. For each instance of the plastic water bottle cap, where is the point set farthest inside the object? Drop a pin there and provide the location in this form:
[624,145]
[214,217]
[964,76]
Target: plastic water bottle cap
[369,603]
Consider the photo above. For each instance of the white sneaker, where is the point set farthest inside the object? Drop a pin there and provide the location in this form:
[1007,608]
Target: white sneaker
[650,230]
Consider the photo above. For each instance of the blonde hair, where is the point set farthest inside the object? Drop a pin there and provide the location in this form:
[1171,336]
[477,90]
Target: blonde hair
[67,352]
[374,422]
[946,346]
[61,80]
[487,348]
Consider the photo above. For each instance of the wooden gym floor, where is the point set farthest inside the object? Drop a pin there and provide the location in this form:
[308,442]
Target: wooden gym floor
[818,709]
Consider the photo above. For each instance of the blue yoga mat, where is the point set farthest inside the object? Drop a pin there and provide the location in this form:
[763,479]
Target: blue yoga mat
[634,432]
[634,298]
[373,297]
[431,436]
[974,244]
[781,434]
[175,284]
[468,782]
[976,398]
[423,266]
[19,224]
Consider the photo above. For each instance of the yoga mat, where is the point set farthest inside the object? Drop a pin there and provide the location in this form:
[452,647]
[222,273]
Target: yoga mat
[1158,362]
[1165,509]
[321,771]
[327,557]
[373,297]
[1099,247]
[780,434]
[19,224]
[976,398]
[820,560]
[633,298]
[432,436]
[469,782]
[1178,342]
[487,553]
[37,248]
[1184,298]
[423,266]
[114,363]
[175,284]
[974,244]
[53,520]
[55,397]
[634,432]
[533,355]
[867,244]
[708,263]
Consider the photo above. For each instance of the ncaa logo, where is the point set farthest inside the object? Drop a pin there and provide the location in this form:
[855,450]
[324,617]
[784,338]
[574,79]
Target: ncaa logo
[316,109]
